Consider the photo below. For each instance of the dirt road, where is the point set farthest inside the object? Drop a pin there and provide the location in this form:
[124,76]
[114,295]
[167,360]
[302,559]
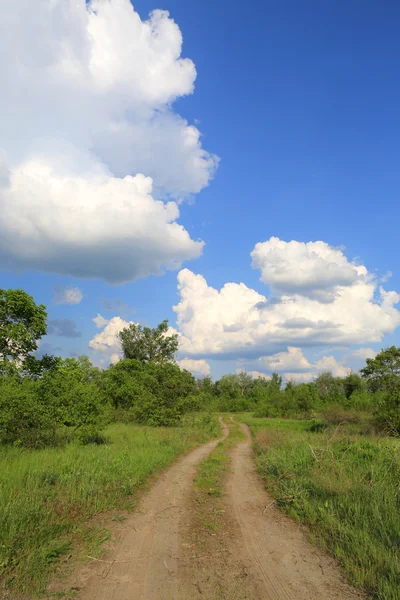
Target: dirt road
[286,565]
[261,555]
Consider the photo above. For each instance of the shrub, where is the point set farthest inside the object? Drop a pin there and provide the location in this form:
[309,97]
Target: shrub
[387,412]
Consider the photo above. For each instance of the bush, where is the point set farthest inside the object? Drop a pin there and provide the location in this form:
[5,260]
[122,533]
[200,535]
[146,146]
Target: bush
[150,393]
[59,405]
[387,412]
[336,414]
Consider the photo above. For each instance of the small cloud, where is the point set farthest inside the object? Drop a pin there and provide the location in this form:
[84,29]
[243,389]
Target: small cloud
[116,305]
[197,367]
[67,295]
[100,321]
[386,277]
[63,328]
[47,348]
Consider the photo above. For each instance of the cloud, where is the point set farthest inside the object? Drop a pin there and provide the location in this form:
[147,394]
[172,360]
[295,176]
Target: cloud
[46,348]
[359,312]
[107,341]
[312,269]
[100,321]
[255,374]
[63,328]
[97,160]
[300,377]
[116,305]
[67,295]
[363,353]
[197,367]
[329,363]
[292,360]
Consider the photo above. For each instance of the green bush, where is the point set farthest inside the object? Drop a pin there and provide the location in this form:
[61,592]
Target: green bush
[387,412]
[61,404]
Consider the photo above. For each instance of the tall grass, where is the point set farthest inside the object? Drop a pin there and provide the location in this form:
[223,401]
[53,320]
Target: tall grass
[47,496]
[346,488]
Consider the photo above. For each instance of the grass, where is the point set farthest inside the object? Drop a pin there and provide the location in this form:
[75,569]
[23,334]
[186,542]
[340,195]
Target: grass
[345,487]
[210,473]
[49,497]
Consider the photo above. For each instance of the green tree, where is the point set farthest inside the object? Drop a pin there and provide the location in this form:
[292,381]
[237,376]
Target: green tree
[382,373]
[149,345]
[245,382]
[330,388]
[353,383]
[276,382]
[22,324]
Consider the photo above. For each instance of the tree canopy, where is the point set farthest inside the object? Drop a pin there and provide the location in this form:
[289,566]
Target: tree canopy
[22,324]
[382,373]
[149,345]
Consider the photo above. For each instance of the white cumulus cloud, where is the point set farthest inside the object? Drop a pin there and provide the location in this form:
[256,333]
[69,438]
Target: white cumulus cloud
[293,359]
[237,320]
[67,295]
[197,367]
[312,269]
[100,321]
[93,159]
[329,363]
[107,342]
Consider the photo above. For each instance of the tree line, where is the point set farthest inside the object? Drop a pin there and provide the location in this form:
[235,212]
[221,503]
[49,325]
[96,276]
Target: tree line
[50,400]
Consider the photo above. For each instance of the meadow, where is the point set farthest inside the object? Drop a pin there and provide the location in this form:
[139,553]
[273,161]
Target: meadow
[50,496]
[344,487]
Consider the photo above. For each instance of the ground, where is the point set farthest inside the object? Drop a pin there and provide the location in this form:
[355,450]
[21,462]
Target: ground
[174,547]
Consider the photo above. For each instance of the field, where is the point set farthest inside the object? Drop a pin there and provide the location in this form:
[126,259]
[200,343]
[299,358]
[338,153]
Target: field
[49,497]
[345,487]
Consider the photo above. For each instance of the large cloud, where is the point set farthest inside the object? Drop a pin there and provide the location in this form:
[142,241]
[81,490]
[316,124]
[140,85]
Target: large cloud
[240,322]
[87,92]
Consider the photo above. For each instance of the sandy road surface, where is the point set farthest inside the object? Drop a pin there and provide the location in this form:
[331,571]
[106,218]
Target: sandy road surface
[148,560]
[285,564]
[143,562]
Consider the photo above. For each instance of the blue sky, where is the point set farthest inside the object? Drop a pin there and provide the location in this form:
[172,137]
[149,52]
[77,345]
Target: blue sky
[300,103]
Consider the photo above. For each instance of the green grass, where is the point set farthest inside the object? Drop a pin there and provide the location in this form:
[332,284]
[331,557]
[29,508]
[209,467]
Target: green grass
[211,470]
[48,497]
[345,488]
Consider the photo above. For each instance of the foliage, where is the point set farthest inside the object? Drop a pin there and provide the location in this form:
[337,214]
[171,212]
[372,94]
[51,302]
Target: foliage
[330,388]
[387,411]
[353,383]
[382,373]
[33,411]
[149,345]
[154,393]
[22,324]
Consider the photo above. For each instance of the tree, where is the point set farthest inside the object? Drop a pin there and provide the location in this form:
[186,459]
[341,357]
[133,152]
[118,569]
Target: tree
[330,388]
[382,373]
[149,345]
[353,383]
[276,381]
[22,324]
[245,382]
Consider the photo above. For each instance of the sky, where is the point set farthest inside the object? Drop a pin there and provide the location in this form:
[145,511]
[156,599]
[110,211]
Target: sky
[231,169]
